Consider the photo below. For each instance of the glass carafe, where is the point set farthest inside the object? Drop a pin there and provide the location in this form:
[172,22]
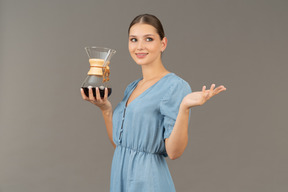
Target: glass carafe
[98,75]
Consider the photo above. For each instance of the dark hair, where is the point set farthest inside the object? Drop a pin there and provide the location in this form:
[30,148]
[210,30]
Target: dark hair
[150,20]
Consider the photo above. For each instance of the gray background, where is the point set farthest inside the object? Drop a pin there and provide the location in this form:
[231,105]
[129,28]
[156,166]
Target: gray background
[52,140]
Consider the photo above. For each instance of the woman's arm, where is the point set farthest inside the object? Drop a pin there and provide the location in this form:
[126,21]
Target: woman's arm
[178,140]
[106,108]
[107,115]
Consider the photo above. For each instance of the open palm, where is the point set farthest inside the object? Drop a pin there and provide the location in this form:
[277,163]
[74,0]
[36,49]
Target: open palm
[200,97]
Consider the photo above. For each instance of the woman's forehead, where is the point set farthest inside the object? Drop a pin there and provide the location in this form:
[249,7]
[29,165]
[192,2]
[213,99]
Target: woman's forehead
[141,29]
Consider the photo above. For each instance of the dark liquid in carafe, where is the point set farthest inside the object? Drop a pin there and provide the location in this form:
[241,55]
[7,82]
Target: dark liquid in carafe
[102,91]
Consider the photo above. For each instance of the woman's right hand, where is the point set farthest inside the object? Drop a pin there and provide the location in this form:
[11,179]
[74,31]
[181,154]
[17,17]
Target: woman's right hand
[103,103]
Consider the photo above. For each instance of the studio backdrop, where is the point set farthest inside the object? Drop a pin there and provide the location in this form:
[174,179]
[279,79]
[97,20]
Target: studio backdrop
[53,140]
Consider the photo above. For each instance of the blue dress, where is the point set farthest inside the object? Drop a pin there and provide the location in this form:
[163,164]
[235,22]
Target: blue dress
[139,130]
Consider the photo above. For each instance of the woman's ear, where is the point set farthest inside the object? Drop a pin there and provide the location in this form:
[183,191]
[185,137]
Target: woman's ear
[164,44]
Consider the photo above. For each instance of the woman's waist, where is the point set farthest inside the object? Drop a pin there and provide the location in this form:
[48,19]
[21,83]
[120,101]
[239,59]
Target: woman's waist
[139,150]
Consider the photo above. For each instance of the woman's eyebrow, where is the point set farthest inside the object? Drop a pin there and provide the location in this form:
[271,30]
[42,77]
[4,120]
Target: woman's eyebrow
[148,35]
[143,36]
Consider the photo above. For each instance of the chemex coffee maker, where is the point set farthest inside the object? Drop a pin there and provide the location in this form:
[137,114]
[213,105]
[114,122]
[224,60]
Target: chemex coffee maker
[98,75]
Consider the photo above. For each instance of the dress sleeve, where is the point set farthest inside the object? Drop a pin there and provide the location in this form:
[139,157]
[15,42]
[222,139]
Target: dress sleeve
[170,103]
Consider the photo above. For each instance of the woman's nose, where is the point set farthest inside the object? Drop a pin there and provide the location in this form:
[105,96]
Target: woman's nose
[140,45]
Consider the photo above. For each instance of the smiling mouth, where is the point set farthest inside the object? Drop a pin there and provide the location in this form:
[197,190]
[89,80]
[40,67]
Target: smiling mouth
[141,55]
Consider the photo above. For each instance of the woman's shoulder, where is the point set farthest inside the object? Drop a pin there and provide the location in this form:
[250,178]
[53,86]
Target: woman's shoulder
[175,90]
[175,77]
[176,81]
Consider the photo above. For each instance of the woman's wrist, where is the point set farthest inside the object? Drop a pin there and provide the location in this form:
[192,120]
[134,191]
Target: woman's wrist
[184,108]
[106,111]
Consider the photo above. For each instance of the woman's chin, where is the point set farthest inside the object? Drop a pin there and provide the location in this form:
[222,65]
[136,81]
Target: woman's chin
[140,62]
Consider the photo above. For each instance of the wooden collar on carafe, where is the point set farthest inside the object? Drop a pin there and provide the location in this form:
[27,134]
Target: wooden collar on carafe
[96,68]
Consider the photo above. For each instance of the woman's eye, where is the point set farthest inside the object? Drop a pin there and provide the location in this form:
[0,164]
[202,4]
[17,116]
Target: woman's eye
[149,39]
[133,39]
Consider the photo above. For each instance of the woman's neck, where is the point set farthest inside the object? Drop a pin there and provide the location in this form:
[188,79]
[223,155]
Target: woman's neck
[153,71]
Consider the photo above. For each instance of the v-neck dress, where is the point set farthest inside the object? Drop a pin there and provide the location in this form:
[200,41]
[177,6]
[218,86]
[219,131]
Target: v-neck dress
[139,132]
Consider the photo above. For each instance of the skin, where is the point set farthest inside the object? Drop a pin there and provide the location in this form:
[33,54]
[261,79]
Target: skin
[145,47]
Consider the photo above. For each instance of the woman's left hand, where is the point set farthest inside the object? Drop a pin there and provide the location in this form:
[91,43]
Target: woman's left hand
[200,97]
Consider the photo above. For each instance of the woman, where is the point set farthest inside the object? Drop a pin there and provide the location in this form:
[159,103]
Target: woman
[151,122]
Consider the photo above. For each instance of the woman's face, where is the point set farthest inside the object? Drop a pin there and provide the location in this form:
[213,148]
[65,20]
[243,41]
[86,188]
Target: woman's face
[145,45]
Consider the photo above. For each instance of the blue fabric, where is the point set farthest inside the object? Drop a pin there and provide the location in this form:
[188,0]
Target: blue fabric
[139,131]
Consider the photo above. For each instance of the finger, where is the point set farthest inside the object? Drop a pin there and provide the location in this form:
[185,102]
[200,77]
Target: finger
[219,89]
[204,94]
[98,97]
[210,94]
[203,89]
[91,96]
[106,93]
[83,94]
[212,87]
[224,88]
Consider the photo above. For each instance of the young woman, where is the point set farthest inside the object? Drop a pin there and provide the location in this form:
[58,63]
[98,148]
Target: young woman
[151,122]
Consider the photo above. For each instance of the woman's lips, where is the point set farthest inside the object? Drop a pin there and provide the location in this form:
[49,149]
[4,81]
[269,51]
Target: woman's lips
[141,55]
